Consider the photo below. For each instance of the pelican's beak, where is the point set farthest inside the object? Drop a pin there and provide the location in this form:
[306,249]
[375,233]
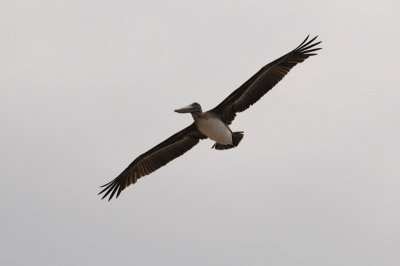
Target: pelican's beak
[188,109]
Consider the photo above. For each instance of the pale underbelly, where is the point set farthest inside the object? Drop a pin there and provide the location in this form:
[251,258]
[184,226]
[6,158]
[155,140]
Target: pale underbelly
[215,129]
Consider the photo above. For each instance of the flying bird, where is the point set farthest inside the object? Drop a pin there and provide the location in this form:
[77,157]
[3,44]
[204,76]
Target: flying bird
[213,124]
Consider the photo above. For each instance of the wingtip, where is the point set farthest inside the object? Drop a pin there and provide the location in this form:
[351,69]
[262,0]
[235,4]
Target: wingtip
[303,41]
[105,195]
[107,184]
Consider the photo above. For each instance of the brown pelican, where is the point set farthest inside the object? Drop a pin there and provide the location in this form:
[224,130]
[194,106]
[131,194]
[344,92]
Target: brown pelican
[213,124]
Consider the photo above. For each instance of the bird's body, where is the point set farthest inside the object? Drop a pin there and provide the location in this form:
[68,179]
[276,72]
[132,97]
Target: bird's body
[213,124]
[214,128]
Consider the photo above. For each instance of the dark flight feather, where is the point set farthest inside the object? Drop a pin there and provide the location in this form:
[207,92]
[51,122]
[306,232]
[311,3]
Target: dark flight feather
[153,159]
[263,81]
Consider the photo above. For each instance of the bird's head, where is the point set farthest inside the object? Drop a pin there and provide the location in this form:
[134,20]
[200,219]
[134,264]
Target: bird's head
[191,108]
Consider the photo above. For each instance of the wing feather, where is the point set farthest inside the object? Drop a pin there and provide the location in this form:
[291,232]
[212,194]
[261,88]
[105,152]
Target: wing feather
[263,81]
[153,159]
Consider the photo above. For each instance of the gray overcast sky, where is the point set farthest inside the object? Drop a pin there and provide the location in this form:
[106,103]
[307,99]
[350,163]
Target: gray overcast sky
[86,86]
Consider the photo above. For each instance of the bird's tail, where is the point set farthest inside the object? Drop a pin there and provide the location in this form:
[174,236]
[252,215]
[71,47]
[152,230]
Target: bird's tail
[236,138]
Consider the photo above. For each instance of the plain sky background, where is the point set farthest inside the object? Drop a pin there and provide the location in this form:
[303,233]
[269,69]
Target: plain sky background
[86,86]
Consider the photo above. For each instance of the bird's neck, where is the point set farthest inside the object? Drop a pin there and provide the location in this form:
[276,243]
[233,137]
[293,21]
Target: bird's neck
[196,115]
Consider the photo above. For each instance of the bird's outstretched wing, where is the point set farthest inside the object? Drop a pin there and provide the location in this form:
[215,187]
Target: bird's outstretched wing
[264,80]
[153,159]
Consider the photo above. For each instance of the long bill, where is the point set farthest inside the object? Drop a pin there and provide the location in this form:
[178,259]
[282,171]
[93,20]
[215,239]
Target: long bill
[187,109]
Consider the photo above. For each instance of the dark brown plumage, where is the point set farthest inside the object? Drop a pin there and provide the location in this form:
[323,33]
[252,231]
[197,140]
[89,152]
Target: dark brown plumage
[264,80]
[238,101]
[153,159]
